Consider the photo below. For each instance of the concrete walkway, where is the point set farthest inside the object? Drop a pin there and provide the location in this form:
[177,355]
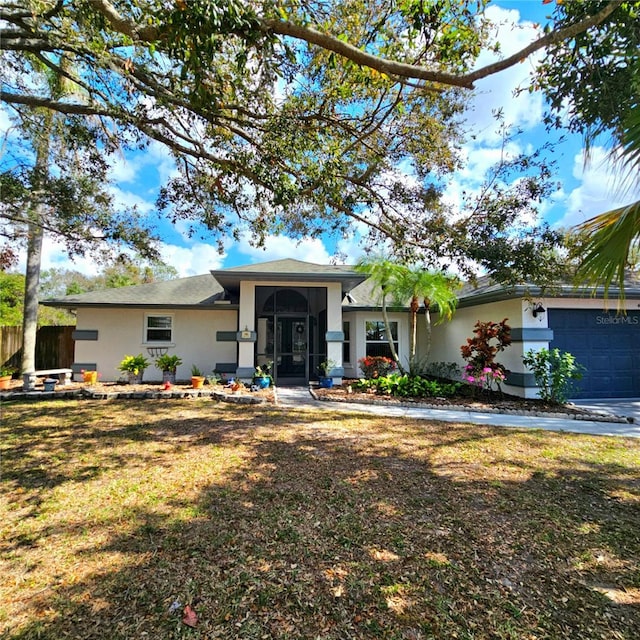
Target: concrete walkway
[300,398]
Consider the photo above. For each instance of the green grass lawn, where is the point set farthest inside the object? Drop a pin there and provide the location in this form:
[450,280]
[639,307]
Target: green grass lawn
[272,523]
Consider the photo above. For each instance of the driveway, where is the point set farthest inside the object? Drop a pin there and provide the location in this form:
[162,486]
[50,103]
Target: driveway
[629,407]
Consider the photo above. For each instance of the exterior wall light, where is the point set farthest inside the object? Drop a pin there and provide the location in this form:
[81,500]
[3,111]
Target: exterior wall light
[537,310]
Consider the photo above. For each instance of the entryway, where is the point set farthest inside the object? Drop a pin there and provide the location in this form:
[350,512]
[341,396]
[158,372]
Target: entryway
[291,325]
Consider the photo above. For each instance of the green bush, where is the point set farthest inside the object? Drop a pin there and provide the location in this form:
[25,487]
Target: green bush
[405,386]
[554,371]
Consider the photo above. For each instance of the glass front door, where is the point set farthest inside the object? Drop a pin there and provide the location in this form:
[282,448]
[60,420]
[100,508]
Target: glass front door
[291,325]
[290,359]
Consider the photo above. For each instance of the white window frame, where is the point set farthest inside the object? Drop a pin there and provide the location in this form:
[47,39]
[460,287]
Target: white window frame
[396,341]
[146,329]
[346,342]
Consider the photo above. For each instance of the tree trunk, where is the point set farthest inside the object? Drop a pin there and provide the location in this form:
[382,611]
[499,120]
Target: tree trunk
[34,253]
[32,282]
[427,321]
[413,309]
[387,324]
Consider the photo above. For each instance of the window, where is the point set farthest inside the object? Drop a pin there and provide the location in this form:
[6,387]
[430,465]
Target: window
[346,345]
[377,341]
[159,329]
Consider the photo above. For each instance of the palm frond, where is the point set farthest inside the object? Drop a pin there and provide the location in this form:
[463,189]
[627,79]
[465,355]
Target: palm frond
[607,242]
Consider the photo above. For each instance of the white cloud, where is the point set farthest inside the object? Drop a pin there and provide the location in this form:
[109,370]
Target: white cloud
[193,260]
[280,247]
[130,199]
[596,192]
[54,256]
[497,92]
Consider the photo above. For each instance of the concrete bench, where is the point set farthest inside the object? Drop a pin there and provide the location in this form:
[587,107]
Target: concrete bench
[31,377]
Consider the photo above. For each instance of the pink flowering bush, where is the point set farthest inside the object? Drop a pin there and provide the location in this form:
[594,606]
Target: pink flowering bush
[486,377]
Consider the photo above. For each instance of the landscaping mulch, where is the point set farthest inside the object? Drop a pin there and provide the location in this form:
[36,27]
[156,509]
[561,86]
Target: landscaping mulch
[201,520]
[145,390]
[490,401]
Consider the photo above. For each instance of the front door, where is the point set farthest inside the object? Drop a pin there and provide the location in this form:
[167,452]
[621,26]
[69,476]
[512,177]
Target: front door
[291,325]
[291,349]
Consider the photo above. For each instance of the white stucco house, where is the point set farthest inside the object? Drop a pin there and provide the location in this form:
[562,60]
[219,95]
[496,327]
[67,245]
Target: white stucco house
[298,314]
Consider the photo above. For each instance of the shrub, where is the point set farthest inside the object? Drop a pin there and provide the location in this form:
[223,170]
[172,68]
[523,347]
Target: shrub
[480,351]
[406,386]
[376,366]
[134,364]
[166,362]
[555,372]
[443,370]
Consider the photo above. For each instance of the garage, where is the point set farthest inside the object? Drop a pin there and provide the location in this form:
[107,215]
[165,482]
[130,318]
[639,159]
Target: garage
[607,344]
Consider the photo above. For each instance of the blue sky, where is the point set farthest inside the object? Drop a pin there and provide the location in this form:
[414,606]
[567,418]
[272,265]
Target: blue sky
[584,191]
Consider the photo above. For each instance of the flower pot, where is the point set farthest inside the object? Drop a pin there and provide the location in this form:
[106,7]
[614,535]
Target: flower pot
[263,382]
[325,382]
[197,382]
[5,382]
[90,377]
[169,376]
[134,378]
[50,384]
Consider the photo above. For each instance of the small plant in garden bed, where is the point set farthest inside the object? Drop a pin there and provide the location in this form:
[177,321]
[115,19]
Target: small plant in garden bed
[405,386]
[168,362]
[555,372]
[134,366]
[376,366]
[480,352]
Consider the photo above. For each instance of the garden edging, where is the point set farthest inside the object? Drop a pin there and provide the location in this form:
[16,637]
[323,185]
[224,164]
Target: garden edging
[593,417]
[131,395]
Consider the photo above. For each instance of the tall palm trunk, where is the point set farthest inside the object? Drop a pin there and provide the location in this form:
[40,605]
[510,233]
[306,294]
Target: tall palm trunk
[414,307]
[427,323]
[387,325]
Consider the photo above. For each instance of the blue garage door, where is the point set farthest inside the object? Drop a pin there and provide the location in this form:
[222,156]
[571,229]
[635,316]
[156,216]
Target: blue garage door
[608,345]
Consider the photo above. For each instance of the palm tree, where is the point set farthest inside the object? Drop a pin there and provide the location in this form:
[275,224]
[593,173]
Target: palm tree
[401,283]
[609,241]
[433,288]
[383,274]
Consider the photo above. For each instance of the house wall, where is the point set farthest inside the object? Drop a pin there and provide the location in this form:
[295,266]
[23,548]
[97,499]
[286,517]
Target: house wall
[448,337]
[529,333]
[358,341]
[122,332]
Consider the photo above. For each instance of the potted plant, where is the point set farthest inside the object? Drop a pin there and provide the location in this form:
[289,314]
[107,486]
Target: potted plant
[262,376]
[214,378]
[197,379]
[5,376]
[134,367]
[324,368]
[168,365]
[89,377]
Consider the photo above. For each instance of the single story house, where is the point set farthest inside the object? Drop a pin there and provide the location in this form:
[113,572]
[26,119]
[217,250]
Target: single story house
[298,314]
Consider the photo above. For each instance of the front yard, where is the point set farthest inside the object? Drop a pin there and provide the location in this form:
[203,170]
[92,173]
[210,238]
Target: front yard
[117,517]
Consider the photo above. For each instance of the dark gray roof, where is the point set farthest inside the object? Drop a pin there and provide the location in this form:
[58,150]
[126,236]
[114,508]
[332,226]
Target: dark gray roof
[485,290]
[219,289]
[195,291]
[286,270]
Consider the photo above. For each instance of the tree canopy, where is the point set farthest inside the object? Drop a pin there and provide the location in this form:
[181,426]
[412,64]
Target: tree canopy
[593,85]
[292,117]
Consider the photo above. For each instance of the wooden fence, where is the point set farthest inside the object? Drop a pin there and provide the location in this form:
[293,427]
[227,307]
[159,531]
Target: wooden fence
[54,347]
